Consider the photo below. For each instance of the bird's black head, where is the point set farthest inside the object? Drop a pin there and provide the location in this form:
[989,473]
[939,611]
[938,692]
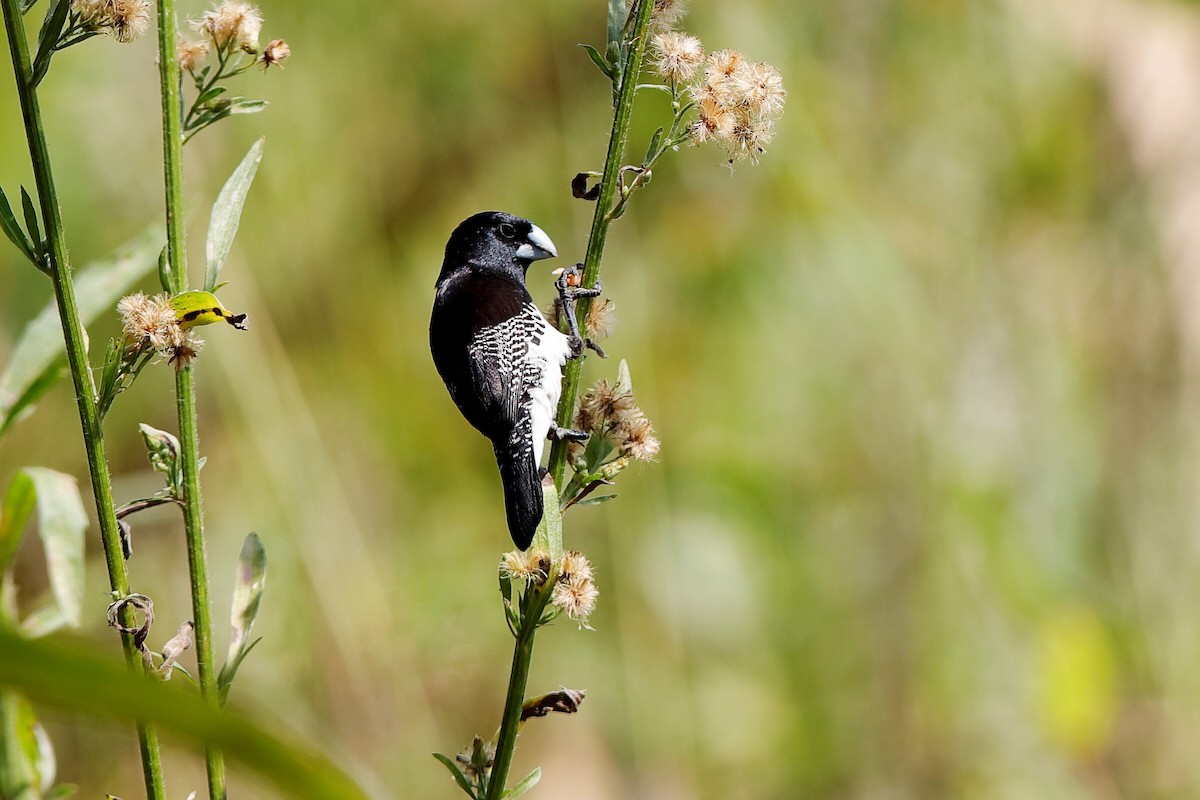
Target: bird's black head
[493,241]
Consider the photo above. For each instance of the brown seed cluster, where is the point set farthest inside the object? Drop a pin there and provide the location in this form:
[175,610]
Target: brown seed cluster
[737,100]
[126,20]
[609,410]
[228,26]
[574,592]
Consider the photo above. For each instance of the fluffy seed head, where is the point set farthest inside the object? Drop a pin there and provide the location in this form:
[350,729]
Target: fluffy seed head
[575,595]
[130,19]
[192,53]
[126,20]
[637,439]
[151,322]
[605,403]
[601,319]
[677,56]
[715,122]
[232,22]
[750,135]
[759,87]
[528,565]
[667,12]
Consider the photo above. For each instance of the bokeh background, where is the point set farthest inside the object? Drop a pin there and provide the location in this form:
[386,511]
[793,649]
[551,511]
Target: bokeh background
[924,523]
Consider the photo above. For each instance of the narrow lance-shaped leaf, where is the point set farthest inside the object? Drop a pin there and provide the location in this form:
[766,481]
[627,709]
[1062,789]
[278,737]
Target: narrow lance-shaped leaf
[52,25]
[31,222]
[61,525]
[247,594]
[227,213]
[459,778]
[524,785]
[599,61]
[33,365]
[74,678]
[12,229]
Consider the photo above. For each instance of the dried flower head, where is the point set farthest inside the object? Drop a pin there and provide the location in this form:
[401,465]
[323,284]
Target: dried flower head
[274,53]
[715,122]
[750,136]
[130,19]
[529,565]
[126,20]
[190,54]
[667,12]
[677,56]
[151,322]
[737,103]
[601,319]
[605,403]
[759,87]
[574,592]
[232,22]
[637,439]
[719,69]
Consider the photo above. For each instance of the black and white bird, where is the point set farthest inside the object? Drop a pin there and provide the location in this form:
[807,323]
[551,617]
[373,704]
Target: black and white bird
[499,356]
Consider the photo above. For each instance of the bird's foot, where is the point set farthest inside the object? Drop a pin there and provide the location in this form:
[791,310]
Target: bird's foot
[558,434]
[570,289]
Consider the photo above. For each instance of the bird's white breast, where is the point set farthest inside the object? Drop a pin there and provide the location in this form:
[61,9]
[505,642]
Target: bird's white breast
[549,349]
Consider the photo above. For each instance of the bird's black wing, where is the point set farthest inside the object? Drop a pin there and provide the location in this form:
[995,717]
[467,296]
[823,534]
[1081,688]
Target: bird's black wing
[480,337]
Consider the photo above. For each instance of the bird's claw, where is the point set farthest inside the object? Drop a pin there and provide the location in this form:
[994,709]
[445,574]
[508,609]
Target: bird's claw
[567,434]
[570,289]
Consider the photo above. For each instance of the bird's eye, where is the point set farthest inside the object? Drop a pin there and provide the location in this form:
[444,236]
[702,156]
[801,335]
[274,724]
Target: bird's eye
[508,231]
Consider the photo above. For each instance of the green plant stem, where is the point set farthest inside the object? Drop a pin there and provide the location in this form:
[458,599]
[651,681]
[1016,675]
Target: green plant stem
[185,383]
[506,740]
[622,114]
[73,335]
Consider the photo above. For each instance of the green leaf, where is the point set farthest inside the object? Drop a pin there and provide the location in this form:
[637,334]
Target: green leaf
[209,94]
[12,229]
[617,14]
[18,748]
[31,224]
[599,61]
[75,678]
[241,105]
[48,37]
[247,594]
[524,785]
[62,791]
[595,501]
[227,213]
[61,524]
[164,270]
[652,150]
[459,778]
[14,516]
[39,350]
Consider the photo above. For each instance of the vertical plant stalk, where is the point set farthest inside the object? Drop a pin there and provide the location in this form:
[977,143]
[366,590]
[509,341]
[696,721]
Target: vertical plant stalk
[506,741]
[185,382]
[518,678]
[602,218]
[73,335]
[93,436]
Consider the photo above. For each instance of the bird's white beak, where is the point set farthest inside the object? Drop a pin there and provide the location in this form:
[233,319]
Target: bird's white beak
[537,246]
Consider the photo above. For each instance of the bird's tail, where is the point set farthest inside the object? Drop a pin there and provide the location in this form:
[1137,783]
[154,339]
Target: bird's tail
[522,489]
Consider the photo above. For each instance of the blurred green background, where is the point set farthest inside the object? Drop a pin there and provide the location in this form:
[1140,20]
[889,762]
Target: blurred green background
[924,523]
